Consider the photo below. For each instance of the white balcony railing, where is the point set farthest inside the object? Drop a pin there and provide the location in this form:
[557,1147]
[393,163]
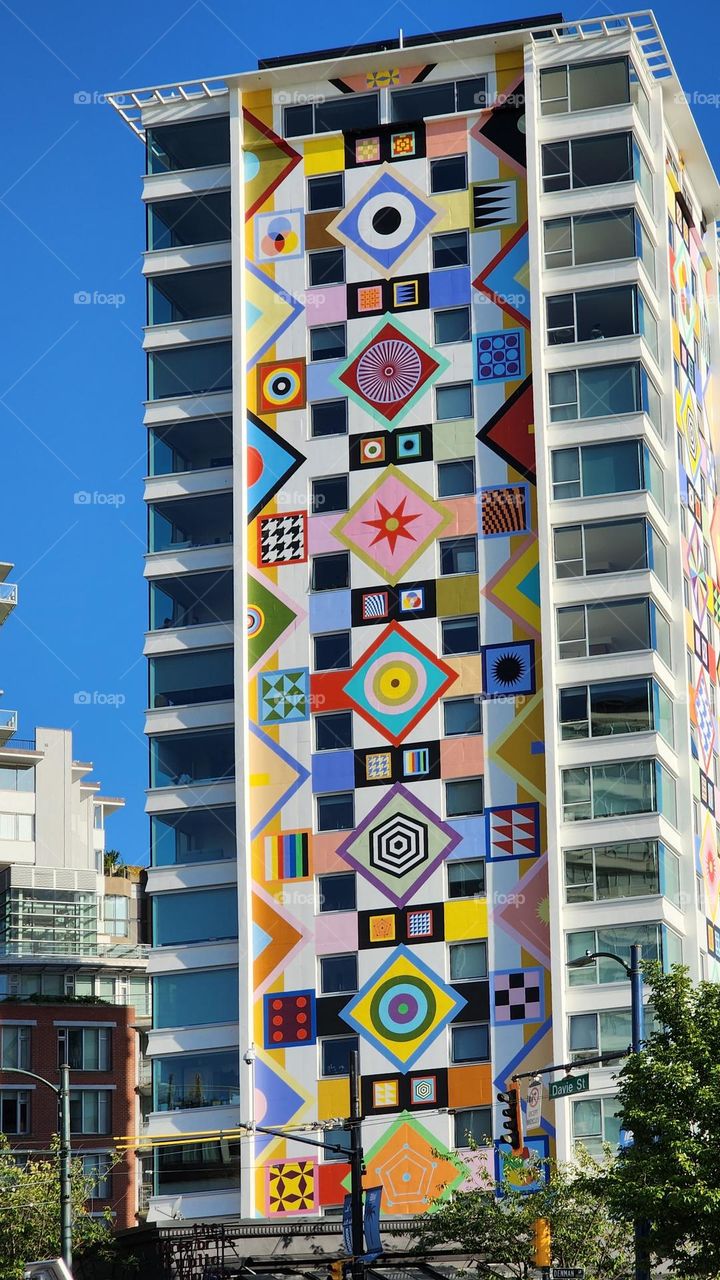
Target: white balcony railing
[8,599]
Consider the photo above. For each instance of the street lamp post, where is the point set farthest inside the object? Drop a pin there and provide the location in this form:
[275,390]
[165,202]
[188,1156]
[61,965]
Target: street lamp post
[62,1092]
[637,1022]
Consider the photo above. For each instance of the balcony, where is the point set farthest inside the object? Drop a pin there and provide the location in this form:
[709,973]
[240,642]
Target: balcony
[8,725]
[8,593]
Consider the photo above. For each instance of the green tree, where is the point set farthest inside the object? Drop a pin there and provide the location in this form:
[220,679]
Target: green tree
[670,1100]
[496,1231]
[113,862]
[30,1212]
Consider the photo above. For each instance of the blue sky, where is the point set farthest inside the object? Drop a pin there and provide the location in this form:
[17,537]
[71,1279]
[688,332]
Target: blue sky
[72,377]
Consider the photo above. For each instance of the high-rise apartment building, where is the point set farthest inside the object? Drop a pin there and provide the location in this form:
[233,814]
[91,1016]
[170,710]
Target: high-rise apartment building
[432,412]
[73,986]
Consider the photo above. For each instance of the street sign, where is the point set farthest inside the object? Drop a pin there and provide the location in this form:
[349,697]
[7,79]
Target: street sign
[566,1273]
[566,1088]
[533,1115]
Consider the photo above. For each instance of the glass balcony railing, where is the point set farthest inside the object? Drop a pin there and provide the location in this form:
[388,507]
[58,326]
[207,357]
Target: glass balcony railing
[8,724]
[8,599]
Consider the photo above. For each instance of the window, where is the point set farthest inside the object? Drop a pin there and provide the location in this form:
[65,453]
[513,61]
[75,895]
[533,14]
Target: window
[336,811]
[473,1127]
[332,650]
[338,1136]
[328,494]
[332,115]
[190,677]
[600,391]
[597,161]
[458,555]
[464,797]
[468,960]
[448,174]
[327,192]
[195,369]
[452,325]
[17,779]
[331,572]
[456,478]
[466,878]
[618,706]
[657,942]
[328,418]
[462,716]
[616,789]
[326,266]
[196,219]
[193,835]
[189,295]
[338,974]
[435,99]
[17,826]
[625,869]
[196,144]
[470,1042]
[460,635]
[85,1048]
[585,86]
[115,914]
[90,1110]
[15,1047]
[14,1111]
[337,892]
[591,1034]
[620,626]
[618,466]
[327,342]
[97,1169]
[195,997]
[593,315]
[602,236]
[595,1122]
[454,401]
[194,915]
[450,249]
[335,1055]
[204,1166]
[617,546]
[334,731]
[183,1080]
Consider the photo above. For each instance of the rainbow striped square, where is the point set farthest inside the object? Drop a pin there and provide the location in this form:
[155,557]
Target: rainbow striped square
[415,763]
[287,856]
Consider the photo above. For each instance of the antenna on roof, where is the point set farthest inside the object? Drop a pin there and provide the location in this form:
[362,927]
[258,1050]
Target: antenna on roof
[400,39]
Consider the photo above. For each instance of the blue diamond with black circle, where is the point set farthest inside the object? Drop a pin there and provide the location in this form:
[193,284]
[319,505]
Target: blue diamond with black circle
[385,221]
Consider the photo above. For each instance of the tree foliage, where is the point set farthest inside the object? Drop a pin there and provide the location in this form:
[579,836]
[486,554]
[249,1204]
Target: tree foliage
[30,1211]
[670,1099]
[495,1231]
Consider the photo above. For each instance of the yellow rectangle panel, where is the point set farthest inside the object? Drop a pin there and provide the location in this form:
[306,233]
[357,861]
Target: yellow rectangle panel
[463,920]
[469,676]
[324,155]
[457,595]
[454,210]
[333,1098]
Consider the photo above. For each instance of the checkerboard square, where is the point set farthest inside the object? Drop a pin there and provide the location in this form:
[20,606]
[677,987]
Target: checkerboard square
[367,151]
[369,298]
[419,924]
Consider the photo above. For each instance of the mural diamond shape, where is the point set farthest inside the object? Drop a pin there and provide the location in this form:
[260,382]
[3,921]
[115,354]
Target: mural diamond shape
[270,462]
[385,221]
[396,682]
[391,524]
[398,845]
[402,1008]
[389,370]
[416,1169]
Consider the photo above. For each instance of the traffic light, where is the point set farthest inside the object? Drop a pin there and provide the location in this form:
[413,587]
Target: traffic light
[541,1242]
[513,1124]
[337,1270]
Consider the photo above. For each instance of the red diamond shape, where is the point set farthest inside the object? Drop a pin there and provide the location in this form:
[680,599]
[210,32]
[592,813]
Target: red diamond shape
[389,371]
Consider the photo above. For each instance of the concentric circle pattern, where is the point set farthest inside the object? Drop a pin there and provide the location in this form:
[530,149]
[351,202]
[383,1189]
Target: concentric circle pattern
[389,371]
[255,620]
[387,220]
[403,1008]
[395,683]
[281,386]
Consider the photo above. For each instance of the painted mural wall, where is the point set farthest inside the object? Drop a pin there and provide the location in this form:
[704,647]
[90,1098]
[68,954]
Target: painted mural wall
[404,657]
[693,297]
